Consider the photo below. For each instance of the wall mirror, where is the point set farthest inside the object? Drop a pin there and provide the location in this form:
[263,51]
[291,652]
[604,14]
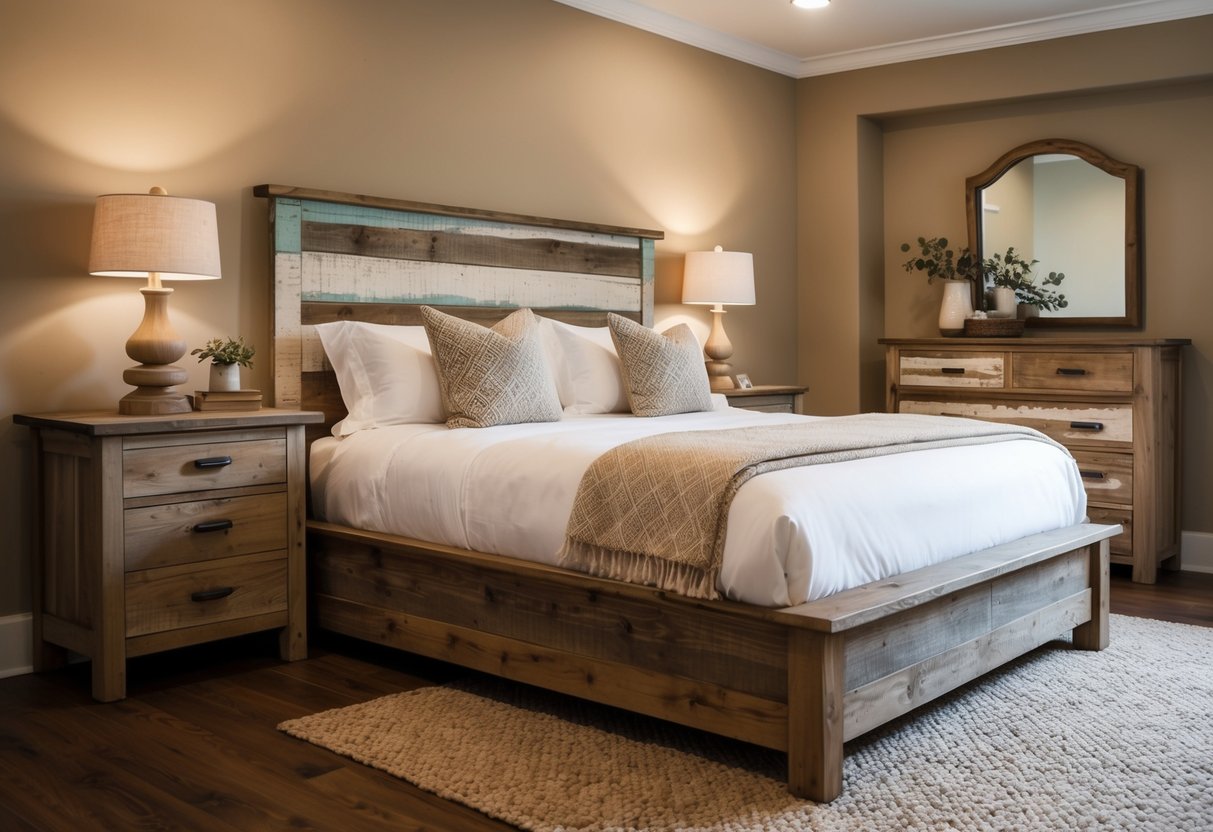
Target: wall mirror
[1073,209]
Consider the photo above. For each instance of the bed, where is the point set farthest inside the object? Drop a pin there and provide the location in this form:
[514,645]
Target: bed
[803,678]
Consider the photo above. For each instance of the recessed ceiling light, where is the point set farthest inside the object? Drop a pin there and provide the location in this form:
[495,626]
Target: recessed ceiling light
[810,4]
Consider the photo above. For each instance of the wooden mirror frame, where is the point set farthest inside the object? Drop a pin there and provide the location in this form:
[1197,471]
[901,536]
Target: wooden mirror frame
[1122,170]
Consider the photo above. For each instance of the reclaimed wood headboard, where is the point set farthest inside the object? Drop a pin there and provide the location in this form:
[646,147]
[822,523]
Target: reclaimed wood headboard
[340,256]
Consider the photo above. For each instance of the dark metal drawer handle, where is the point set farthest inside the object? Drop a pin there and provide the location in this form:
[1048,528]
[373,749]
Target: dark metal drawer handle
[212,594]
[1086,425]
[212,462]
[1071,371]
[1091,475]
[953,371]
[214,526]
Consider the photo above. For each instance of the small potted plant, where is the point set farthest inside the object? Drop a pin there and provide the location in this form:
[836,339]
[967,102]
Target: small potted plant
[957,269]
[227,357]
[1012,276]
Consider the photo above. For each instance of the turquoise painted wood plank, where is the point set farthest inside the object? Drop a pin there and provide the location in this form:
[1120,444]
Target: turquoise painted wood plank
[332,212]
[346,278]
[648,269]
[288,225]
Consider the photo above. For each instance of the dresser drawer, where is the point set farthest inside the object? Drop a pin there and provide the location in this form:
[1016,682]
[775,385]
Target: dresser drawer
[1107,477]
[174,469]
[1109,372]
[200,530]
[190,595]
[951,369]
[1077,424]
[1122,544]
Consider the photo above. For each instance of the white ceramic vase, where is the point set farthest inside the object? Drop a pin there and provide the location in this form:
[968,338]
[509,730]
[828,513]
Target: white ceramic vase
[957,305]
[224,377]
[1004,302]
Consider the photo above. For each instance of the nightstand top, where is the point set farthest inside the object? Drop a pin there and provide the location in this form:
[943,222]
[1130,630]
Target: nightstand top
[767,390]
[110,423]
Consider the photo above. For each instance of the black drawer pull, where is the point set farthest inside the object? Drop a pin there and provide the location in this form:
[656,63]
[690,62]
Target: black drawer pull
[1071,371]
[212,462]
[212,594]
[1086,425]
[1091,475]
[213,526]
[952,371]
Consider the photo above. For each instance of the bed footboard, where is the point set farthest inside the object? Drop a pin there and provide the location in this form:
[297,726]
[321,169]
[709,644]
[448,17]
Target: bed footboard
[802,680]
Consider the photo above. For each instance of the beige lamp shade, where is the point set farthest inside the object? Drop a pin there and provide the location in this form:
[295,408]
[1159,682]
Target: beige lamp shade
[137,235]
[718,277]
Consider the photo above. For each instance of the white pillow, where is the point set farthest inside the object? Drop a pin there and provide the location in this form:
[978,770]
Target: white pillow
[588,374]
[386,374]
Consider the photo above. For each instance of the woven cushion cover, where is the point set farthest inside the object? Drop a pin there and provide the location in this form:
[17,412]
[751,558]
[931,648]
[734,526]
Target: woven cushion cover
[491,375]
[664,372]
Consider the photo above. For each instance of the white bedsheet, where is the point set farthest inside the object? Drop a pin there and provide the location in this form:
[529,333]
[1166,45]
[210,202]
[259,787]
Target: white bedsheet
[793,535]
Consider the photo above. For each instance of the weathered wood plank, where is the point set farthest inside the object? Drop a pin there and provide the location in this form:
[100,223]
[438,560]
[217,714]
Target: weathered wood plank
[346,278]
[665,695]
[815,715]
[737,654]
[277,193]
[899,693]
[1110,372]
[1095,634]
[540,252]
[286,345]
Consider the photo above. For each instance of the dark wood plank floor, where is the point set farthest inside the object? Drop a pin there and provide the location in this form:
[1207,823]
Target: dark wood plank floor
[194,747]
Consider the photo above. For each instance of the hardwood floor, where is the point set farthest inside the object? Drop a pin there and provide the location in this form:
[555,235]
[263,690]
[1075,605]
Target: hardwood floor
[194,746]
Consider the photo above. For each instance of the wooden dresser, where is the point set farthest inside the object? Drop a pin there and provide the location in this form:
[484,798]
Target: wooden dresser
[1114,402]
[154,532]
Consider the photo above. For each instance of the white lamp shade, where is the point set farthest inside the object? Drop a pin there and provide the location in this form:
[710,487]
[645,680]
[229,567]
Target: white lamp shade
[137,234]
[718,277]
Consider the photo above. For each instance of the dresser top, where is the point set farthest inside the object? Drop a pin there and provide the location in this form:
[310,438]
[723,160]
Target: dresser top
[109,423]
[1044,341]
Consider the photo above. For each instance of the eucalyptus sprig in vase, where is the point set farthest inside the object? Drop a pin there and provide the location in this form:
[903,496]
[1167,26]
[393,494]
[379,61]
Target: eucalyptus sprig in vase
[957,268]
[227,357]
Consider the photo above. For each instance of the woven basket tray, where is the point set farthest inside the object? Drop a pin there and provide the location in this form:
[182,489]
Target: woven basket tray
[993,327]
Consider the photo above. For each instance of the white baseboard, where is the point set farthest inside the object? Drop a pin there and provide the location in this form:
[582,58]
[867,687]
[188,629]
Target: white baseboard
[16,644]
[1196,552]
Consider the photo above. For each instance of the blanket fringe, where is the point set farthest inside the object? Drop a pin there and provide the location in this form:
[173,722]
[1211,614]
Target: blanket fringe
[682,578]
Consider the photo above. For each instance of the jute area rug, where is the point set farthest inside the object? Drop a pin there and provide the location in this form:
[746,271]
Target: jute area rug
[1059,740]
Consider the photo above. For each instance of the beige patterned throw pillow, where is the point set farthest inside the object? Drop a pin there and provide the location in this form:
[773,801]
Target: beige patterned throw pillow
[663,372]
[491,376]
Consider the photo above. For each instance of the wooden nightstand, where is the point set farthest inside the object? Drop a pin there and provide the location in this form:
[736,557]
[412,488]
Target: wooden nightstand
[154,532]
[773,398]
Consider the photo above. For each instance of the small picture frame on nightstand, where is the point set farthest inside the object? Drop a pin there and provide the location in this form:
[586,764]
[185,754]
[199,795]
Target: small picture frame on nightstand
[743,382]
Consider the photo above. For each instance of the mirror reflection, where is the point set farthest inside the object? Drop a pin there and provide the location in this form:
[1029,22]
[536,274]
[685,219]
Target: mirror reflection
[1073,210]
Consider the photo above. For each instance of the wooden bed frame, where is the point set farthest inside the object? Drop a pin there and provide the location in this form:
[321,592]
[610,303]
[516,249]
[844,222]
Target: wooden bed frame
[804,679]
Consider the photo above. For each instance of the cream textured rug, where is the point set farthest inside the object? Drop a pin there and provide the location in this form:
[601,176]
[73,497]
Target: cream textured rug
[1059,740]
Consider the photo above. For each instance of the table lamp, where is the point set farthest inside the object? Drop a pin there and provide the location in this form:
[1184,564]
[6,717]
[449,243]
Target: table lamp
[159,237]
[718,277]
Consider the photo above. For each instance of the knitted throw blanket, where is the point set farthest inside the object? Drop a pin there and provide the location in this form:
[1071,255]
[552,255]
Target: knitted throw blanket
[654,510]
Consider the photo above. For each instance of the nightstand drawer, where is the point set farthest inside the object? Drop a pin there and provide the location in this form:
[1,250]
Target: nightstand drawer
[174,469]
[1107,477]
[200,530]
[944,369]
[1110,372]
[1070,423]
[1122,544]
[189,595]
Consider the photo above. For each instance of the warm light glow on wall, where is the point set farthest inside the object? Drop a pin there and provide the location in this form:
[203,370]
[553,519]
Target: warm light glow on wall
[810,4]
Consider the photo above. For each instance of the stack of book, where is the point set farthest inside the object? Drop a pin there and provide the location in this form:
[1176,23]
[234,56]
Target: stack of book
[227,400]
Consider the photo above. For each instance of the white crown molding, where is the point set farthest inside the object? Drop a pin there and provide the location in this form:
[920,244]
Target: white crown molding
[684,31]
[1137,13]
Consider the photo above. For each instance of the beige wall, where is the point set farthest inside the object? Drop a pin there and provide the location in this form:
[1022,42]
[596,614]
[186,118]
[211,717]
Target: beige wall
[524,106]
[1144,95]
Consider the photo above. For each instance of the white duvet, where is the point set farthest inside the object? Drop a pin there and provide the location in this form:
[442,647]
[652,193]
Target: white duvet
[793,535]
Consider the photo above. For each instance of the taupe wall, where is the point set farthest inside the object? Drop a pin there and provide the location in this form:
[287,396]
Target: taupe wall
[525,106]
[1144,95]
